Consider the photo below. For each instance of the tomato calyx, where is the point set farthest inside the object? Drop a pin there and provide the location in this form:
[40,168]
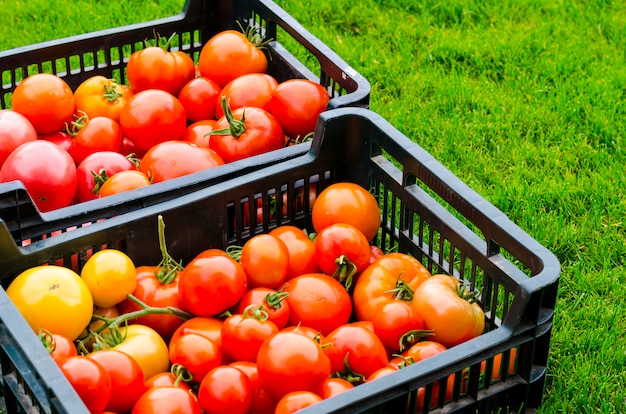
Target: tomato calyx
[257,312]
[254,36]
[236,127]
[274,299]
[348,373]
[111,94]
[234,252]
[78,122]
[402,291]
[412,337]
[167,270]
[468,295]
[46,338]
[405,361]
[99,178]
[181,374]
[345,271]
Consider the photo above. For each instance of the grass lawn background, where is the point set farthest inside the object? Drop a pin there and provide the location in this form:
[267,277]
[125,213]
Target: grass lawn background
[523,100]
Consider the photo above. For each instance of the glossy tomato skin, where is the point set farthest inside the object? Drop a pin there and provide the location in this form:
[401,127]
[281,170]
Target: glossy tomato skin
[127,381]
[209,327]
[200,97]
[301,250]
[97,134]
[273,301]
[251,89]
[47,171]
[152,116]
[197,353]
[262,134]
[100,96]
[110,276]
[289,361]
[45,100]
[123,181]
[349,203]
[198,132]
[39,289]
[262,402]
[265,259]
[226,390]
[15,129]
[243,334]
[337,244]
[296,401]
[172,400]
[398,325]
[453,318]
[335,386]
[90,380]
[101,163]
[210,285]
[297,104]
[58,346]
[147,347]
[172,159]
[156,68]
[61,138]
[318,301]
[218,54]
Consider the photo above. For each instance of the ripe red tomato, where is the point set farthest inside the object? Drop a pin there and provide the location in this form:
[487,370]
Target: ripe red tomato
[169,379]
[262,402]
[449,310]
[398,325]
[156,68]
[346,202]
[318,301]
[47,171]
[59,346]
[290,361]
[95,169]
[355,351]
[273,301]
[152,116]
[172,159]
[226,390]
[197,353]
[45,100]
[301,250]
[250,89]
[94,135]
[246,132]
[127,381]
[60,138]
[219,53]
[90,380]
[422,350]
[123,181]
[208,327]
[296,401]
[99,96]
[210,285]
[265,259]
[297,104]
[172,400]
[341,250]
[199,97]
[244,333]
[335,386]
[198,132]
[15,129]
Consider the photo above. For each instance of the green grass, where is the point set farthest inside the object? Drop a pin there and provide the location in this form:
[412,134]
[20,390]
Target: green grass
[523,100]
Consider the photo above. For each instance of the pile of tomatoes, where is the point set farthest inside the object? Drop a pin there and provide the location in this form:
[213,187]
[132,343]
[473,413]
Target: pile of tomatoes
[174,117]
[280,323]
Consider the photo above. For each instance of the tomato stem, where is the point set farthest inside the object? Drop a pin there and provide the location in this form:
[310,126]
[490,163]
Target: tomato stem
[168,268]
[236,127]
[412,337]
[180,373]
[98,178]
[234,252]
[46,338]
[274,299]
[111,94]
[345,271]
[257,312]
[402,291]
[348,373]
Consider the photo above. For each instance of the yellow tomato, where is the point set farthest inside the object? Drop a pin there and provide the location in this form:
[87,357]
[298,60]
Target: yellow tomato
[54,298]
[147,347]
[99,96]
[110,276]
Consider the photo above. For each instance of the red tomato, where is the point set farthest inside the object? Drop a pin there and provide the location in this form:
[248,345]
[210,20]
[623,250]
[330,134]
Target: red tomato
[355,352]
[60,138]
[198,132]
[45,100]
[95,169]
[94,135]
[123,181]
[290,361]
[345,202]
[318,301]
[244,333]
[171,400]
[226,390]
[157,287]
[90,380]
[398,325]
[127,380]
[301,250]
[335,386]
[250,89]
[296,401]
[47,171]
[262,403]
[218,54]
[273,301]
[199,97]
[209,327]
[172,159]
[168,379]
[15,129]
[297,104]
[382,372]
[422,350]
[449,310]
[59,346]
[157,68]
[197,353]
[341,250]
[152,116]
[246,132]
[99,96]
[210,285]
[265,259]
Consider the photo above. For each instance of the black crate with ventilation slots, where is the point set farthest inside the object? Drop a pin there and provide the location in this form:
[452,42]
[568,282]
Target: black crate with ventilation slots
[294,53]
[427,212]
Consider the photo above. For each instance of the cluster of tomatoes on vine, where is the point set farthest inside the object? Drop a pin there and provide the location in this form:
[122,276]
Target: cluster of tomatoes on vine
[172,118]
[282,322]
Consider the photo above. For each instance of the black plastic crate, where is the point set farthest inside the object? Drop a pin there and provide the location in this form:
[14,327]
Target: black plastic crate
[106,53]
[427,212]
